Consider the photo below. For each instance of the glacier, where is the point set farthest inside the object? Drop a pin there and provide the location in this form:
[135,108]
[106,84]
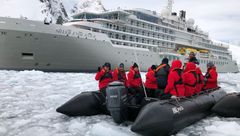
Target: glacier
[41,9]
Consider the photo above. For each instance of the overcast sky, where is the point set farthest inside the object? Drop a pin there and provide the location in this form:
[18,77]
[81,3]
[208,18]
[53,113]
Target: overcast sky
[221,18]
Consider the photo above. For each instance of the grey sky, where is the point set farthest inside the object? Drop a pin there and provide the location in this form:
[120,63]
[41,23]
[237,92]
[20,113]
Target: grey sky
[221,18]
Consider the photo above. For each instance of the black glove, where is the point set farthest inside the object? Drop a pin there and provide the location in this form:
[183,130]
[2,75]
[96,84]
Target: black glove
[99,69]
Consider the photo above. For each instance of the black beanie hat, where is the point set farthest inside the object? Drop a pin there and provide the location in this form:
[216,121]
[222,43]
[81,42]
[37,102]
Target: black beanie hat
[107,64]
[135,65]
[165,61]
[210,64]
[153,67]
[121,65]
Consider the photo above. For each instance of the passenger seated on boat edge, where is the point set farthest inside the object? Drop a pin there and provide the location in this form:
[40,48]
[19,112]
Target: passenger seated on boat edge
[162,72]
[190,79]
[104,76]
[200,77]
[175,86]
[151,82]
[191,58]
[119,74]
[135,83]
[210,79]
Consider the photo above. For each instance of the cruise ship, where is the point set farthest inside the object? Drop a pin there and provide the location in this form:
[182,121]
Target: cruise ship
[121,36]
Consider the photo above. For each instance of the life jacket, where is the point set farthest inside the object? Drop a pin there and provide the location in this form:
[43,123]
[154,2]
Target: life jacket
[119,74]
[136,75]
[199,80]
[134,79]
[162,72]
[160,67]
[106,75]
[180,81]
[196,77]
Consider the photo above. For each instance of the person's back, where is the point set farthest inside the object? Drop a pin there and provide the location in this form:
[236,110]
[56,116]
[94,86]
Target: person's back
[190,79]
[162,72]
[211,76]
[175,85]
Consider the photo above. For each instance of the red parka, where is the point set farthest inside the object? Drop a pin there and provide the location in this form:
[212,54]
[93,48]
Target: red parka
[151,81]
[134,78]
[211,76]
[190,79]
[120,76]
[104,78]
[175,86]
[200,84]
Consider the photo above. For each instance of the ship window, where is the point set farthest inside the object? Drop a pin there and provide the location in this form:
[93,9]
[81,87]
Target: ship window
[116,36]
[3,33]
[27,56]
[136,39]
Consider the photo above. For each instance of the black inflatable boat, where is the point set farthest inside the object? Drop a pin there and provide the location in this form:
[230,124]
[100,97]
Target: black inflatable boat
[160,117]
[84,104]
[229,106]
[152,118]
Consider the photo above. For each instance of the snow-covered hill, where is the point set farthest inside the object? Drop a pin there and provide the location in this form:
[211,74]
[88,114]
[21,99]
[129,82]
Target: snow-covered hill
[54,9]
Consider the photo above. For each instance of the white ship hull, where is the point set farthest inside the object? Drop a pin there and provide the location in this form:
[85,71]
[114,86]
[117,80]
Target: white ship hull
[27,45]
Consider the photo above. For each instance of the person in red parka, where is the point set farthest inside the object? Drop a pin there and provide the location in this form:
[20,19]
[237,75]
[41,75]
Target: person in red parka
[190,79]
[151,82]
[134,77]
[175,87]
[104,76]
[119,74]
[211,76]
[200,77]
[135,83]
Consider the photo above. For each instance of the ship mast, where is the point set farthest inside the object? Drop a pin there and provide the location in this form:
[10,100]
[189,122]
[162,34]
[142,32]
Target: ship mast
[170,6]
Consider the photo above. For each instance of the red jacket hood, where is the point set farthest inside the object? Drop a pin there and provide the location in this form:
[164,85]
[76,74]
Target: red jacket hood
[190,66]
[212,68]
[176,64]
[149,69]
[131,68]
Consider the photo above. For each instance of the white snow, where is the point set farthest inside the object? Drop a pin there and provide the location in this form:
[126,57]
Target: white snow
[22,8]
[36,10]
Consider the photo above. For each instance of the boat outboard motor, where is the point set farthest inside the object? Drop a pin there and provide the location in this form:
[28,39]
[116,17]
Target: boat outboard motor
[117,101]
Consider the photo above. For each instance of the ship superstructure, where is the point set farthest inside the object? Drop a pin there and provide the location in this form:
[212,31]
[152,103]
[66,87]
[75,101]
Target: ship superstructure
[127,36]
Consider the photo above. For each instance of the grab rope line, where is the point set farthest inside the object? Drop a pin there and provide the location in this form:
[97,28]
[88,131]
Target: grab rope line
[144,89]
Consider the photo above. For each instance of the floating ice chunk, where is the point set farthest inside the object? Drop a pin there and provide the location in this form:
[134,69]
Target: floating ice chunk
[223,128]
[3,131]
